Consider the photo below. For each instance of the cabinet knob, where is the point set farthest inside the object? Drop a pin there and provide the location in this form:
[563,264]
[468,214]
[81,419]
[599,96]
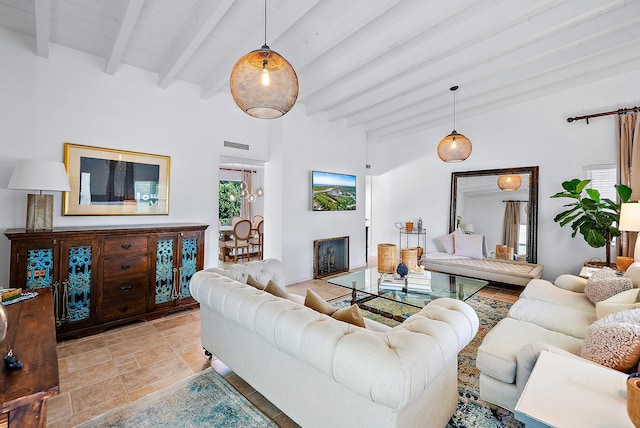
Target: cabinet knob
[125,267]
[126,288]
[126,246]
[124,308]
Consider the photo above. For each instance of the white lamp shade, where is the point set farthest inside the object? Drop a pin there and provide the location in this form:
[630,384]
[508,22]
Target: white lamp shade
[467,227]
[630,217]
[35,174]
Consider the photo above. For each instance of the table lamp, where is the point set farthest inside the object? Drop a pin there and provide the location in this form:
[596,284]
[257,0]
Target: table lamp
[630,222]
[467,228]
[34,174]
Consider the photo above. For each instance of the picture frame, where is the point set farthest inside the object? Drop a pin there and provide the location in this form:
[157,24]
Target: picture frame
[115,182]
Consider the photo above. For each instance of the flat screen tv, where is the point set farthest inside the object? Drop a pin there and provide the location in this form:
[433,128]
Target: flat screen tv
[333,192]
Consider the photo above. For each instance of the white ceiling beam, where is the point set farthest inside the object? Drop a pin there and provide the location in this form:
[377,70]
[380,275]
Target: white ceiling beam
[615,62]
[510,52]
[558,49]
[428,17]
[43,27]
[130,12]
[481,42]
[278,24]
[207,19]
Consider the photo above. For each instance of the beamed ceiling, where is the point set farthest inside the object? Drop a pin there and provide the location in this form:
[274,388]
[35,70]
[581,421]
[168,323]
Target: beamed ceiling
[384,65]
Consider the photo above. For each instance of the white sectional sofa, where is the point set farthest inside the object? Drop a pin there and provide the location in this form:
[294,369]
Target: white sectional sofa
[552,316]
[324,372]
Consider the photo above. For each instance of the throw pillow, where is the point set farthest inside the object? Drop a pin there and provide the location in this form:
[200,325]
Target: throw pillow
[468,246]
[447,242]
[252,282]
[275,289]
[314,301]
[351,315]
[620,302]
[614,341]
[600,286]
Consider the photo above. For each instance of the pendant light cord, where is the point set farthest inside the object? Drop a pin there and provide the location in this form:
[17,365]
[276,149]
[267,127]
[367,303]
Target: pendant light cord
[453,88]
[265,22]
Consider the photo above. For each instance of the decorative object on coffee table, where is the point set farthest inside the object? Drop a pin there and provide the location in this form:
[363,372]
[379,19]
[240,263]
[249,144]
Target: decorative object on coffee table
[402,270]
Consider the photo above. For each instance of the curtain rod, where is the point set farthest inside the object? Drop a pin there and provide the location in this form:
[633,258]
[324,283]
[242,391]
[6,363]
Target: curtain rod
[239,170]
[515,201]
[606,113]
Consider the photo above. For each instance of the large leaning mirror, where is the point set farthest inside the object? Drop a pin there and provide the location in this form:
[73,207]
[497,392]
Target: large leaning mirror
[502,205]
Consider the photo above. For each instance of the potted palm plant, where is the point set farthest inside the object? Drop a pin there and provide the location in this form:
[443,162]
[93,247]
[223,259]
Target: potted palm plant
[595,218]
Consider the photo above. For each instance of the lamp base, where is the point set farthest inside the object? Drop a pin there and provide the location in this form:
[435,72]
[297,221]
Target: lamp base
[39,212]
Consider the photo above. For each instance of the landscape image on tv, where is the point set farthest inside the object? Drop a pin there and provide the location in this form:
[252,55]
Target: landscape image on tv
[333,192]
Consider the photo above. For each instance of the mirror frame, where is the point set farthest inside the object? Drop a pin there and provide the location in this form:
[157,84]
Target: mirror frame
[532,216]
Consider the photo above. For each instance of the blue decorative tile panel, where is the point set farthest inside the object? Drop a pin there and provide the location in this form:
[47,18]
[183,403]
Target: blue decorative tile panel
[189,259]
[79,283]
[39,268]
[164,271]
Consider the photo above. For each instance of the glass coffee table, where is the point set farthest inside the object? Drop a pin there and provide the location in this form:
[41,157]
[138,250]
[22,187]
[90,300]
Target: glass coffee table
[368,284]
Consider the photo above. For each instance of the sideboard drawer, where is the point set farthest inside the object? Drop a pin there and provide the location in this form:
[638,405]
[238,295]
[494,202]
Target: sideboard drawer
[121,300]
[124,246]
[125,267]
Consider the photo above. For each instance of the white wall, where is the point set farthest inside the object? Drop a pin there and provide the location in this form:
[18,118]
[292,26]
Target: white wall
[69,98]
[306,144]
[532,133]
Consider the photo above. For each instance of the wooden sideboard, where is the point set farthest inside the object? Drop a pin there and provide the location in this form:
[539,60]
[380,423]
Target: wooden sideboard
[105,276]
[31,335]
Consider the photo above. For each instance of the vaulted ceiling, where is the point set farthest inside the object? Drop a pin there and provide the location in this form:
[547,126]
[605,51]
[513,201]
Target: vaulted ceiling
[385,65]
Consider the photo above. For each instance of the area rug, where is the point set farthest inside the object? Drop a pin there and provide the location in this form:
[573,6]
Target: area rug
[471,410]
[202,400]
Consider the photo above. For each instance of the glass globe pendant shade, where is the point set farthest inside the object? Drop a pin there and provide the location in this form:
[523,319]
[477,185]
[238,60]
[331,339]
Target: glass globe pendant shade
[260,191]
[251,197]
[509,183]
[454,147]
[264,84]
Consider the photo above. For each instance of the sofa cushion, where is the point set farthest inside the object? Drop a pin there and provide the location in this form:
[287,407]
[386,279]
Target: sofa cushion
[276,290]
[562,319]
[571,282]
[614,341]
[540,289]
[351,315]
[499,349]
[633,273]
[599,289]
[620,302]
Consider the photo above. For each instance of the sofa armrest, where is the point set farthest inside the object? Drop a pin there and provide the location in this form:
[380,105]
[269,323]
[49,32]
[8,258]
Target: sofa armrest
[571,282]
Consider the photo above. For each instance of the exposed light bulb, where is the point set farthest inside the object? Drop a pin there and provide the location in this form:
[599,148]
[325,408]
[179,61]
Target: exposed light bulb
[453,143]
[251,198]
[265,79]
[232,197]
[260,192]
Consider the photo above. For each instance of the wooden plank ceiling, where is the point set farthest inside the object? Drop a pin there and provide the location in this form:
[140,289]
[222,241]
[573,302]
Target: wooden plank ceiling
[384,65]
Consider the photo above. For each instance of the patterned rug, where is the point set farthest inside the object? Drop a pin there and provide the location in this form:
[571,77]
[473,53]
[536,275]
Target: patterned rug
[203,400]
[471,411]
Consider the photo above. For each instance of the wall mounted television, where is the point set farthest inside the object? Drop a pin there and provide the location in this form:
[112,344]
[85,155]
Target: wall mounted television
[332,191]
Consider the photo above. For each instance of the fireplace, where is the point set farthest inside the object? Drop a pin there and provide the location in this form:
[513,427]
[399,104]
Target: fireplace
[330,256]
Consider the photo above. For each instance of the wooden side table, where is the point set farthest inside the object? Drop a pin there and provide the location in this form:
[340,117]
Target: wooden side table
[568,392]
[32,336]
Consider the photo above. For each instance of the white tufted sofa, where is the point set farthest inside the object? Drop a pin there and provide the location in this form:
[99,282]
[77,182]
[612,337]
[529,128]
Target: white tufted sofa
[323,372]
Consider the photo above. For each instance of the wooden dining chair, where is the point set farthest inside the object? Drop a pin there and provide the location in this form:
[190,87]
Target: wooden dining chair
[235,219]
[240,239]
[258,241]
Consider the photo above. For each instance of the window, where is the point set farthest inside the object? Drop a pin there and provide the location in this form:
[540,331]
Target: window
[522,240]
[227,207]
[604,179]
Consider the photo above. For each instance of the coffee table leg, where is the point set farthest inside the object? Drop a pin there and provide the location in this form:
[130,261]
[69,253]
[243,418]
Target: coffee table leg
[353,292]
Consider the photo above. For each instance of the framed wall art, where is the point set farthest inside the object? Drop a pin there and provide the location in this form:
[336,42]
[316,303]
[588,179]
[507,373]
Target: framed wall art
[115,182]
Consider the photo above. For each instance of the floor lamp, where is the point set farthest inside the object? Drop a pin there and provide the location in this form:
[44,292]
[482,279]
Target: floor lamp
[630,222]
[39,175]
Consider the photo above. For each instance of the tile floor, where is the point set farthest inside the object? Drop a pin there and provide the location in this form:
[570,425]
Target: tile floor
[116,367]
